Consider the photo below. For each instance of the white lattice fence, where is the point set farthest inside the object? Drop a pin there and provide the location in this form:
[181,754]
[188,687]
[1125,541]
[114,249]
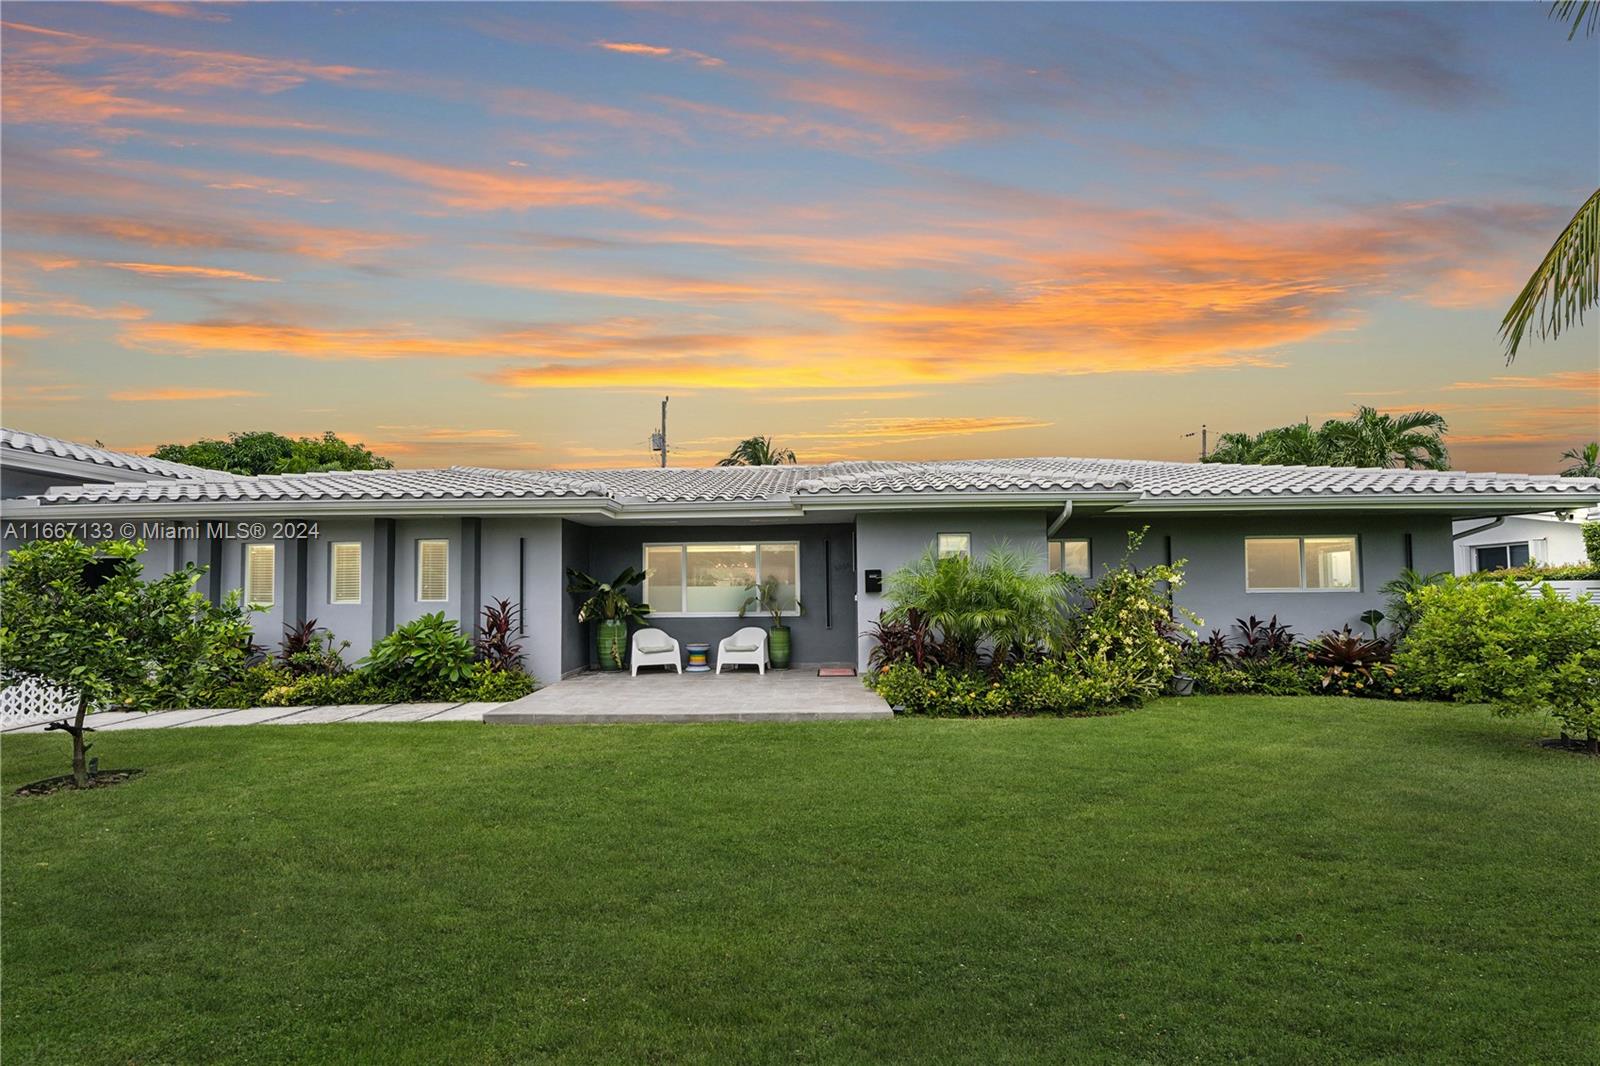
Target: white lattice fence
[32,700]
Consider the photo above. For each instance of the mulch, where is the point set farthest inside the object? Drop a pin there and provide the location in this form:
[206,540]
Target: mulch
[64,783]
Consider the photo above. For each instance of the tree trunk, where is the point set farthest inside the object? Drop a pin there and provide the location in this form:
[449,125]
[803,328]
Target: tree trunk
[80,765]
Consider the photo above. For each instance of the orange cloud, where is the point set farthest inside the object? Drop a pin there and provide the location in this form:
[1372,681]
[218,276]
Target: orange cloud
[635,48]
[170,270]
[1560,381]
[758,124]
[554,107]
[204,12]
[179,393]
[477,190]
[37,95]
[282,236]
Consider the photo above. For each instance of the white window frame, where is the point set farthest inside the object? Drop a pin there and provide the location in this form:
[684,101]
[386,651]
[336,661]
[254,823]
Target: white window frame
[1302,538]
[244,576]
[683,569]
[418,564]
[939,551]
[1089,549]
[1507,545]
[333,571]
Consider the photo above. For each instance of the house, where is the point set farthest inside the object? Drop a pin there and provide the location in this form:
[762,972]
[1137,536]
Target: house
[366,551]
[33,463]
[1554,538]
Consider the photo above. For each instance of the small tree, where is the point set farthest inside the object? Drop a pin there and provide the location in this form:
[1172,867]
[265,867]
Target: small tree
[80,617]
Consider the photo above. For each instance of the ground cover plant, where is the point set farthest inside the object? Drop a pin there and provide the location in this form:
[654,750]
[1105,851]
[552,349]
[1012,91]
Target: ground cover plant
[1212,879]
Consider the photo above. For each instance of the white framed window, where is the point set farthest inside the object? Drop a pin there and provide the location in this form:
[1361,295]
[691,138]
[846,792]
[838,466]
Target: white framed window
[713,579]
[1301,564]
[1070,557]
[260,575]
[950,545]
[433,571]
[1501,556]
[344,572]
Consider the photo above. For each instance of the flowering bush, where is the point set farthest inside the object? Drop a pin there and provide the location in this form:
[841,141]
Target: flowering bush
[1047,687]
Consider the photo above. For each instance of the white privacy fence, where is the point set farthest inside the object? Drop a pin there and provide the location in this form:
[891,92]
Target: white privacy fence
[32,700]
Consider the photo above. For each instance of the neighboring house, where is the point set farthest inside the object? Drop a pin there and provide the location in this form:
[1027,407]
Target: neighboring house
[1552,539]
[32,463]
[364,552]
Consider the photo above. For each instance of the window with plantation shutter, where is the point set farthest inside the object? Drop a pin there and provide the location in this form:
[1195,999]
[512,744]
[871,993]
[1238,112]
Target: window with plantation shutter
[433,571]
[344,572]
[260,574]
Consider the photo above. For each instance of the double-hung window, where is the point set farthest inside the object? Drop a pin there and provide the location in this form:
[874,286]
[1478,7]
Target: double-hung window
[1296,564]
[1070,557]
[260,575]
[715,579]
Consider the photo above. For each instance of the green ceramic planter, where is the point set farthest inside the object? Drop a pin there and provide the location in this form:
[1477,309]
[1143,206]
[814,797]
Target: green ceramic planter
[611,643]
[778,647]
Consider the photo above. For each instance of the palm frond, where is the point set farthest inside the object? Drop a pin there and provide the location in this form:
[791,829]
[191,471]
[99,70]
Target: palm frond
[1582,14]
[1565,285]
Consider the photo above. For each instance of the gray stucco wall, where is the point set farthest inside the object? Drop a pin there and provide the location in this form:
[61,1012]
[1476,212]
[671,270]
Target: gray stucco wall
[1213,545]
[351,621]
[889,540]
[574,635]
[1214,578]
[15,482]
[824,581]
[521,562]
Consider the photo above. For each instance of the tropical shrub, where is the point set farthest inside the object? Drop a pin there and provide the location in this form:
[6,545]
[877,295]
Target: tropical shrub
[1288,676]
[1535,572]
[1591,541]
[1041,687]
[902,639]
[1352,665]
[424,658]
[500,686]
[497,646]
[1401,592]
[999,606]
[1263,640]
[308,649]
[1521,650]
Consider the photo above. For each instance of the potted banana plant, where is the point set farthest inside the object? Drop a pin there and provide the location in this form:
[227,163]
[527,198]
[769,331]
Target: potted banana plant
[766,596]
[606,604]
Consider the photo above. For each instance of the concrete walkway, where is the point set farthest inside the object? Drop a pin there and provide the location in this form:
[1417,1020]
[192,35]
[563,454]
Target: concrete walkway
[780,696]
[109,721]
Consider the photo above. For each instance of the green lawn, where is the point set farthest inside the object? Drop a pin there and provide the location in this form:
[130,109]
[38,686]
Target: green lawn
[1241,879]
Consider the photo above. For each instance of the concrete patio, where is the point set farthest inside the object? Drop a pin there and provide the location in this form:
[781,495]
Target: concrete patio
[778,696]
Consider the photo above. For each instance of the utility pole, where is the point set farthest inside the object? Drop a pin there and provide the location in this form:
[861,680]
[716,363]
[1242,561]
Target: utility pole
[658,441]
[1203,442]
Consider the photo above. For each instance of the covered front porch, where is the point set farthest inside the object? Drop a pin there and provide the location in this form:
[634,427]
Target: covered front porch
[778,696]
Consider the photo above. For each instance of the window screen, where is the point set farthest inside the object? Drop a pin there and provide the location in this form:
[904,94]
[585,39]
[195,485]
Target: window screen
[344,572]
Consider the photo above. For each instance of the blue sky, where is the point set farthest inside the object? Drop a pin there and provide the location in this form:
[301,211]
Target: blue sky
[497,233]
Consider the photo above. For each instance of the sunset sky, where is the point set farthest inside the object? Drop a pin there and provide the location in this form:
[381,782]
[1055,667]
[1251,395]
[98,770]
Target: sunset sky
[497,234]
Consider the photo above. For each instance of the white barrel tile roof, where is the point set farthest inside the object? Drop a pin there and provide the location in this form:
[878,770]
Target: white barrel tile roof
[39,444]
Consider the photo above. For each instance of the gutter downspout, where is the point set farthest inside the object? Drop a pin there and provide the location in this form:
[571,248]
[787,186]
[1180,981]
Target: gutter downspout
[1479,529]
[1061,520]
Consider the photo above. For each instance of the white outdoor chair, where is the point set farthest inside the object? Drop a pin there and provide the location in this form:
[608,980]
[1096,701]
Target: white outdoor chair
[652,647]
[747,647]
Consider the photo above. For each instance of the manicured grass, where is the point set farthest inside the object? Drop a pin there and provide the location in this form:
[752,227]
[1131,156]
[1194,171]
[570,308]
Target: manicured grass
[1240,879]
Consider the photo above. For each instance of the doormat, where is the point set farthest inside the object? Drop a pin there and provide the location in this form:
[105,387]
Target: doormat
[836,671]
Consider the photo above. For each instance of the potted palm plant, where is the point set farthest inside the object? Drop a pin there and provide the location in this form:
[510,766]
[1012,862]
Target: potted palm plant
[606,603]
[766,596]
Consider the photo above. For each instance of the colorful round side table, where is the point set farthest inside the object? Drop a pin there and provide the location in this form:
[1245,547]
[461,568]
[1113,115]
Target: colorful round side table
[699,658]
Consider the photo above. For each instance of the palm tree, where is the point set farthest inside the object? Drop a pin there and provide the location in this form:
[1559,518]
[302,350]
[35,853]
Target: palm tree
[758,451]
[1414,440]
[1567,282]
[1585,461]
